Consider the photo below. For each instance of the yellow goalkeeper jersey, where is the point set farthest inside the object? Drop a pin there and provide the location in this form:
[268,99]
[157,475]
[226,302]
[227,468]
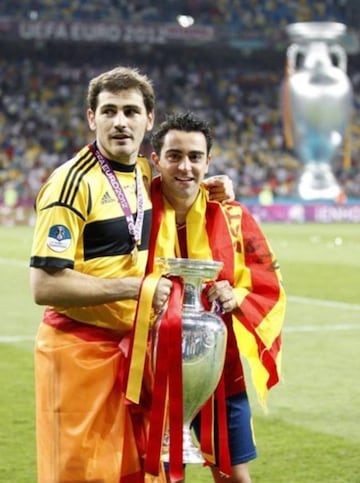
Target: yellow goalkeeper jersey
[82,226]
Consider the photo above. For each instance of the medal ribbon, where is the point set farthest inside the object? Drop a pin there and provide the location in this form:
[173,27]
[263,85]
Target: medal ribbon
[135,229]
[168,381]
[140,336]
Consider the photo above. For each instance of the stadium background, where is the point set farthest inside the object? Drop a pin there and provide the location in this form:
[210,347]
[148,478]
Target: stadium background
[228,67]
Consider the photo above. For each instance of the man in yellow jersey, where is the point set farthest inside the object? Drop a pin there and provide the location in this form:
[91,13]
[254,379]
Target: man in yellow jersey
[88,261]
[248,290]
[88,257]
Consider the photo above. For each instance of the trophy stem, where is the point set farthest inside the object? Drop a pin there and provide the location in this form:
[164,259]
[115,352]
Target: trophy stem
[191,452]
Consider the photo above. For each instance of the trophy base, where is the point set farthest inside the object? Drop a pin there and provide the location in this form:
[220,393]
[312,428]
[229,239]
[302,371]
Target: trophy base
[191,452]
[318,183]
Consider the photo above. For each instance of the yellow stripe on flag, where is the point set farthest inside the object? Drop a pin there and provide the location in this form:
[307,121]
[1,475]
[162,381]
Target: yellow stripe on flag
[142,324]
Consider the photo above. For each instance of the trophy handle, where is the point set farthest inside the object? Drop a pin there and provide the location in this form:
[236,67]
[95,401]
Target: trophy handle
[293,52]
[338,53]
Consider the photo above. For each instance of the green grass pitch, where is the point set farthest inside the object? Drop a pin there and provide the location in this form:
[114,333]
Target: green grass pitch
[311,432]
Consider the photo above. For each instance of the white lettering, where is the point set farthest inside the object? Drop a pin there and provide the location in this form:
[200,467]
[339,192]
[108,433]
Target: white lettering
[110,32]
[93,32]
[43,30]
[331,214]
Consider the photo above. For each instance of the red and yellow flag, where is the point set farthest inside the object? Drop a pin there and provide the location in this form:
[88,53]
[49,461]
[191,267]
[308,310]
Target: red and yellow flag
[230,233]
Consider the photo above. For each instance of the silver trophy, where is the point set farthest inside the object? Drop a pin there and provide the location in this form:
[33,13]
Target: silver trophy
[204,336]
[320,103]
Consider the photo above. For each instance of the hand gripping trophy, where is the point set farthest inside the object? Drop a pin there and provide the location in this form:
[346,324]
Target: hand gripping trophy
[318,103]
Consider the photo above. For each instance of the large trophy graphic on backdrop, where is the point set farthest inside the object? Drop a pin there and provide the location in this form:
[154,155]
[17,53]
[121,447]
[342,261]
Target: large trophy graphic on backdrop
[204,336]
[318,97]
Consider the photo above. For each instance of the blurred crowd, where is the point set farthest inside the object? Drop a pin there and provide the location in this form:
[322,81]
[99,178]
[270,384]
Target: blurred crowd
[43,122]
[43,109]
[243,14]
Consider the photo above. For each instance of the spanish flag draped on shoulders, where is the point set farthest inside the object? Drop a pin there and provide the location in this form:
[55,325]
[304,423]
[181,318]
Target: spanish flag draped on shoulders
[230,233]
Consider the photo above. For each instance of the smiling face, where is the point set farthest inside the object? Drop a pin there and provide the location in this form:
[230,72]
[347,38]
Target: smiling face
[120,122]
[182,163]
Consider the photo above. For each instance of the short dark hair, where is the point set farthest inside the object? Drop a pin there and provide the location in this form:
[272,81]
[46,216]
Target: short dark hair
[118,79]
[188,122]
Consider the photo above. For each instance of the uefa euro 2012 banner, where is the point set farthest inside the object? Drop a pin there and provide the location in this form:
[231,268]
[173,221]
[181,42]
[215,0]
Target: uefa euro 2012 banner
[103,32]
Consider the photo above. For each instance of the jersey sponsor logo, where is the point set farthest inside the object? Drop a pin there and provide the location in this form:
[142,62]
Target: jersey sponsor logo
[106,198]
[59,238]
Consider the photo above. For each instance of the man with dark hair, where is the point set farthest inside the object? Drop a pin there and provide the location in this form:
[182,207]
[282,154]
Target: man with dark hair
[249,287]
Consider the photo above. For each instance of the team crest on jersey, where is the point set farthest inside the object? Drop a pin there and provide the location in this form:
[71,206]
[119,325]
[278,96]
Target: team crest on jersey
[59,238]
